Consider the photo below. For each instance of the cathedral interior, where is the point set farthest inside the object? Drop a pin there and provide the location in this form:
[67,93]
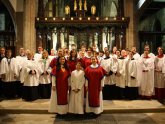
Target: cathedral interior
[60,23]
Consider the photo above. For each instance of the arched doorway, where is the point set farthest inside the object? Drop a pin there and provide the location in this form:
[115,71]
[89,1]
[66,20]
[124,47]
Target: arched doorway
[154,37]
[7,25]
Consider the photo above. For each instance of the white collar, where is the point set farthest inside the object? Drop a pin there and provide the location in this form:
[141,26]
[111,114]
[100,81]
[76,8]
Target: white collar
[94,66]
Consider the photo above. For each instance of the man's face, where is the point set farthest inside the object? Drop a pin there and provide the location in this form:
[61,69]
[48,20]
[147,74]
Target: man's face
[40,49]
[2,51]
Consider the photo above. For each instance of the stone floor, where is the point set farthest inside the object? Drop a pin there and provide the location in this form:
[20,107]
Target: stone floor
[115,112]
[110,106]
[133,118]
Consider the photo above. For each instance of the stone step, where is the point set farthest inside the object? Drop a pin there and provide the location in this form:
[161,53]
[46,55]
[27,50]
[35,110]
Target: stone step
[110,106]
[107,111]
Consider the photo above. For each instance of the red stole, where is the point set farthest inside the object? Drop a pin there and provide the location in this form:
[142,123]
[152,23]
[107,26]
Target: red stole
[160,56]
[94,77]
[146,57]
[61,85]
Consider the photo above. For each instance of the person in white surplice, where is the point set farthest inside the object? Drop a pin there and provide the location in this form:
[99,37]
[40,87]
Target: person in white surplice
[159,75]
[146,89]
[9,74]
[31,72]
[44,79]
[60,87]
[76,101]
[131,91]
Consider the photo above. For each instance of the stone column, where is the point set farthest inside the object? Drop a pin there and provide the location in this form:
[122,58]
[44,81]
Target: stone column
[131,31]
[29,32]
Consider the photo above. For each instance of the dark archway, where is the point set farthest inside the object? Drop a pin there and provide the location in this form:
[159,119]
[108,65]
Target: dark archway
[7,31]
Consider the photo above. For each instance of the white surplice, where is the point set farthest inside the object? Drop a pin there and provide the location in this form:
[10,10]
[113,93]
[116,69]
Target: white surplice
[120,78]
[109,65]
[44,66]
[147,78]
[29,79]
[9,69]
[76,99]
[131,73]
[21,60]
[159,76]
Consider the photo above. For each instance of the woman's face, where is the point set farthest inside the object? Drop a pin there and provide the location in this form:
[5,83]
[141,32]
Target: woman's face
[160,51]
[93,60]
[62,60]
[45,55]
[78,66]
[73,53]
[89,52]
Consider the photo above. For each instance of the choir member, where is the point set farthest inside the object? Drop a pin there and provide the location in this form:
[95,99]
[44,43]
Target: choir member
[52,54]
[38,55]
[101,56]
[76,101]
[54,60]
[87,58]
[21,58]
[9,73]
[113,55]
[2,55]
[135,54]
[72,61]
[147,48]
[31,72]
[146,89]
[60,87]
[94,84]
[66,53]
[44,79]
[159,75]
[120,77]
[131,91]
[109,83]
[73,47]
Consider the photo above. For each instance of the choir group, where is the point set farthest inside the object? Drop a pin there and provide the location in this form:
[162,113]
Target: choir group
[78,81]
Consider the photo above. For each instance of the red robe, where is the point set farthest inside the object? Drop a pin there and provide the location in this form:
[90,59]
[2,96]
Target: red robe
[53,62]
[86,62]
[61,85]
[94,77]
[72,64]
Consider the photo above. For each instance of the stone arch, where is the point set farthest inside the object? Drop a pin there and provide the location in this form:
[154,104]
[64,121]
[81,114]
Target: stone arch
[11,10]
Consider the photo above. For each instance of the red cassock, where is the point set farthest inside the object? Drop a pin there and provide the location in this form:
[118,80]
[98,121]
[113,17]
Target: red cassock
[72,64]
[61,85]
[86,62]
[53,62]
[94,77]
